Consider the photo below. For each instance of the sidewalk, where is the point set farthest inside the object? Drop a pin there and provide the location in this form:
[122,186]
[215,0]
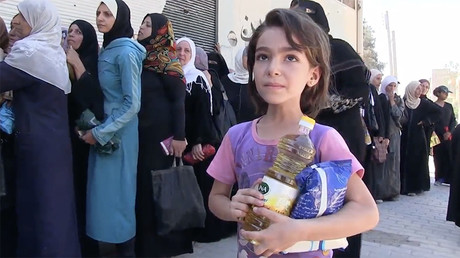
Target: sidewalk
[411,227]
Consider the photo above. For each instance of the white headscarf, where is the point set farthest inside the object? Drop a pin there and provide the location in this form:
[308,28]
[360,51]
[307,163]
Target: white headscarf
[411,100]
[374,73]
[387,81]
[190,71]
[112,5]
[241,75]
[40,54]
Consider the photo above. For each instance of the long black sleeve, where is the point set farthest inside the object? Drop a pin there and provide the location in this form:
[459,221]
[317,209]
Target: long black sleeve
[175,92]
[87,94]
[452,120]
[198,113]
[385,104]
[379,114]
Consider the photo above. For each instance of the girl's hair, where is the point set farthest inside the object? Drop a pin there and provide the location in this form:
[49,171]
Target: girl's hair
[305,35]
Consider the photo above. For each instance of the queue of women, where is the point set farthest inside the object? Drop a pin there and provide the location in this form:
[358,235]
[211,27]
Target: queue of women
[88,123]
[68,186]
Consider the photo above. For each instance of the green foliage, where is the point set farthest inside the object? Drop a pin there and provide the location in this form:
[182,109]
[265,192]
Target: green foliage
[370,56]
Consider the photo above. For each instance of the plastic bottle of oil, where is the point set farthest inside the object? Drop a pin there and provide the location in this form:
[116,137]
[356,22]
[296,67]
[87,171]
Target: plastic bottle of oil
[278,185]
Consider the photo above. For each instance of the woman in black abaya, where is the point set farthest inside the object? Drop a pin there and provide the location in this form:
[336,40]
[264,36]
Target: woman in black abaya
[349,88]
[418,113]
[86,94]
[161,116]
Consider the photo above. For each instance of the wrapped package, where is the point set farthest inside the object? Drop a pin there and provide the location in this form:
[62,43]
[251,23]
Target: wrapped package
[322,189]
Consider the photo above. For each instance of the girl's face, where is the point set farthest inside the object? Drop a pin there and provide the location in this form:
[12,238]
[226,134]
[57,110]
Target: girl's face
[104,19]
[281,72]
[145,30]
[184,53]
[377,81]
[425,88]
[391,88]
[75,37]
[418,91]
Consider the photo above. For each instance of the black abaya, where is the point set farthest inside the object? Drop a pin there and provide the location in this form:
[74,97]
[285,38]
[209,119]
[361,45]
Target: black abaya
[161,116]
[453,209]
[415,177]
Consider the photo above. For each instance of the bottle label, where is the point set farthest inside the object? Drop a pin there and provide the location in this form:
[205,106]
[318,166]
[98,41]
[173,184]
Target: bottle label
[278,196]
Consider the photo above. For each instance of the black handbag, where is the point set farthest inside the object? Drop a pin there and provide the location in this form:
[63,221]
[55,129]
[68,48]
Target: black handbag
[177,199]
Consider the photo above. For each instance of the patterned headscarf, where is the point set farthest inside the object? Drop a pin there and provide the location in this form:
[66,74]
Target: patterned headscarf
[161,48]
[411,100]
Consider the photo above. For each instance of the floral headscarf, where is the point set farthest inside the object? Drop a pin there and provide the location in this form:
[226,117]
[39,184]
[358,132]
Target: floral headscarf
[161,48]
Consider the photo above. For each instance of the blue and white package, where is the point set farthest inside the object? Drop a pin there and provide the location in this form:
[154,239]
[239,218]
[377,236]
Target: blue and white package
[322,189]
[6,118]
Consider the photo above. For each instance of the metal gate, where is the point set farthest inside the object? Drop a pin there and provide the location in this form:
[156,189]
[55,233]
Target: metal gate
[196,19]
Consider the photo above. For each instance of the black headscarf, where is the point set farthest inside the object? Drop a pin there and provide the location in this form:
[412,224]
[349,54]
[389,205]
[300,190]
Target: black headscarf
[122,26]
[316,12]
[89,48]
[350,75]
[217,63]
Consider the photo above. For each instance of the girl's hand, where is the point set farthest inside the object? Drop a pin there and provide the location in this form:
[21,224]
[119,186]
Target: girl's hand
[279,236]
[197,152]
[177,147]
[89,138]
[240,202]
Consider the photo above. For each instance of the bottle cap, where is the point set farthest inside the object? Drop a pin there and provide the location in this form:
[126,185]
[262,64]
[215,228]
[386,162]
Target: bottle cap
[307,122]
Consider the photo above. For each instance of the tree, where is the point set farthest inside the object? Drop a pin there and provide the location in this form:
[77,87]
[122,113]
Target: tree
[370,57]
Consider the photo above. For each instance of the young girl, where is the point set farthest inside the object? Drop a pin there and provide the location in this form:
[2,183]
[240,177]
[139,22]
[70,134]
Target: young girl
[289,75]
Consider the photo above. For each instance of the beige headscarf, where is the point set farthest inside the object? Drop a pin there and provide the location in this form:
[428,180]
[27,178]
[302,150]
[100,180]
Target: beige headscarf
[411,100]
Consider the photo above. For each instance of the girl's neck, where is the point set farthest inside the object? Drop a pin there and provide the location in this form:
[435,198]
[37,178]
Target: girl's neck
[279,122]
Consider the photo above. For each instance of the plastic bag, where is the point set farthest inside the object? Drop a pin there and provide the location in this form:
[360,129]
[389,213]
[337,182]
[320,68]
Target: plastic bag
[6,118]
[177,199]
[322,189]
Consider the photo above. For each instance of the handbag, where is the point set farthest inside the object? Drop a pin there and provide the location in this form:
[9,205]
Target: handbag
[224,116]
[177,199]
[379,151]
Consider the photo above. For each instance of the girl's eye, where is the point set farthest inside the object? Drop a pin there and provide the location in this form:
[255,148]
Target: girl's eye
[261,57]
[291,58]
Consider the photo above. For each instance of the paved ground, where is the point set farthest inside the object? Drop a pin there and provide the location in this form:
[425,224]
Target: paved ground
[411,227]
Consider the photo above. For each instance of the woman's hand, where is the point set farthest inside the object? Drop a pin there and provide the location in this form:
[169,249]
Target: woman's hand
[240,202]
[89,138]
[74,60]
[447,136]
[197,152]
[72,56]
[177,148]
[280,235]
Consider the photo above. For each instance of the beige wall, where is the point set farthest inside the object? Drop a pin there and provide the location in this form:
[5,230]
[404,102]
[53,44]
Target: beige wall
[345,22]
